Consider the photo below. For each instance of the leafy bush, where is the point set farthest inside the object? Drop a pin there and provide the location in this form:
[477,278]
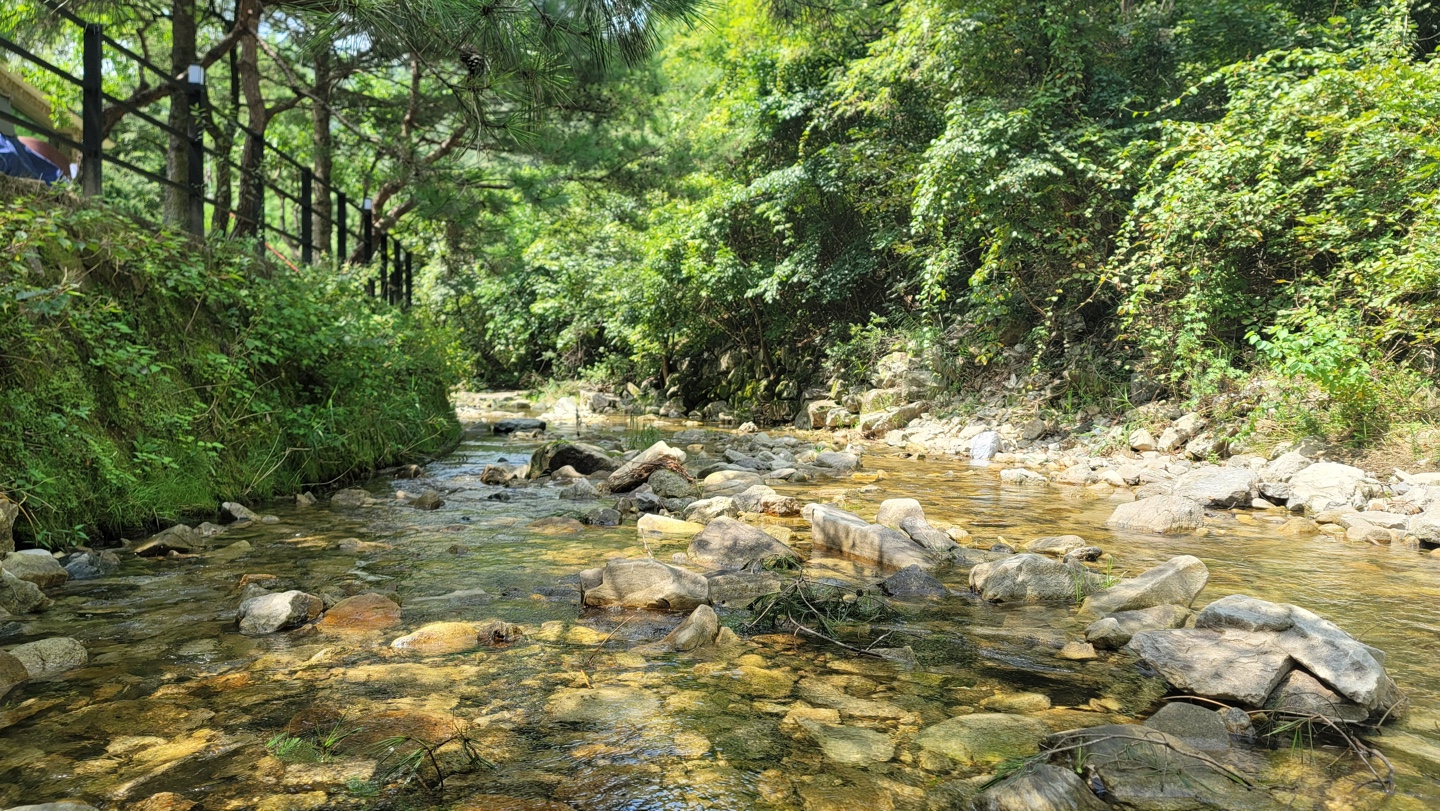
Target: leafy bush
[144,377]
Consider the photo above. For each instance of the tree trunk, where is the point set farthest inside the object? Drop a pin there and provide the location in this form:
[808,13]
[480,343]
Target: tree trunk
[324,154]
[252,178]
[177,157]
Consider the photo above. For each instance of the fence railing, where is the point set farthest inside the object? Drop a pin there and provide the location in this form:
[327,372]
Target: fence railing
[394,280]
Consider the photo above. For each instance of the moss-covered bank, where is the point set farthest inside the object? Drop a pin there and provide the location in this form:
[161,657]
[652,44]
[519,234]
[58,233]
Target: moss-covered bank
[143,377]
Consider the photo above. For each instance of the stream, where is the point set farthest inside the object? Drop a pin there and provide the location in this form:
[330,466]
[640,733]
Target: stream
[175,699]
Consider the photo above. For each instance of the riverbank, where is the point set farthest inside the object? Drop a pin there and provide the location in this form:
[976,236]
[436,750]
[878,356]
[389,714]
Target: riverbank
[146,377]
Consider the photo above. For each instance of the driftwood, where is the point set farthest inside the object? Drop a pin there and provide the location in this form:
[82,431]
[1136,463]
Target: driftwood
[630,477]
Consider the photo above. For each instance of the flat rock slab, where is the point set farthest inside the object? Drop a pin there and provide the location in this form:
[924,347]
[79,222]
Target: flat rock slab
[988,737]
[1041,787]
[602,705]
[1231,666]
[643,583]
[850,745]
[1161,515]
[726,543]
[835,531]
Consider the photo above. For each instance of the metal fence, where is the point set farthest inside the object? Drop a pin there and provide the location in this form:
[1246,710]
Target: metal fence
[394,279]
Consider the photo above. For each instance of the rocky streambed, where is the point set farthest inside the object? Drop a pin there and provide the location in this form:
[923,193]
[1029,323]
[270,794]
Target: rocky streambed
[531,625]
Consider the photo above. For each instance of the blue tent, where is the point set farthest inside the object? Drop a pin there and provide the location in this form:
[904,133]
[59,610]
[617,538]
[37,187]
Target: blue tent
[17,160]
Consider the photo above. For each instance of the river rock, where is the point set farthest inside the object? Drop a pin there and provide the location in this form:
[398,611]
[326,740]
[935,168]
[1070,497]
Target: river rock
[499,473]
[854,746]
[1040,787]
[1284,467]
[91,564]
[1141,440]
[1144,768]
[1114,632]
[60,806]
[728,483]
[697,630]
[268,613]
[235,511]
[643,583]
[1021,476]
[602,705]
[726,543]
[1245,613]
[891,418]
[1162,515]
[1230,666]
[13,673]
[601,517]
[1028,578]
[580,490]
[739,589]
[38,568]
[428,500]
[9,511]
[708,509]
[1300,693]
[1057,546]
[625,479]
[1177,581]
[984,446]
[442,638]
[1197,726]
[835,531]
[837,463]
[349,498]
[913,581]
[178,538]
[669,484]
[50,657]
[20,596]
[1325,485]
[762,499]
[812,416]
[652,525]
[363,612]
[984,738]
[510,426]
[1218,486]
[581,457]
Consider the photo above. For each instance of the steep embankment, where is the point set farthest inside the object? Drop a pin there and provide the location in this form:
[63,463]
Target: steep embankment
[143,376]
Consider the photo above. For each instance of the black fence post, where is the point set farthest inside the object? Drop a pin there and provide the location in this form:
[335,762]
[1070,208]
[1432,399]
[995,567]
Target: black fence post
[397,274]
[342,236]
[195,101]
[409,276]
[307,212]
[385,267]
[367,234]
[92,112]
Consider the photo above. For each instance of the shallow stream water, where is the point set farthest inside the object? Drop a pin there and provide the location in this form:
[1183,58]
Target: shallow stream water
[174,699]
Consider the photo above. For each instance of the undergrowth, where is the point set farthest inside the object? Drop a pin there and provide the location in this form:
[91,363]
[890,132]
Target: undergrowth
[144,377]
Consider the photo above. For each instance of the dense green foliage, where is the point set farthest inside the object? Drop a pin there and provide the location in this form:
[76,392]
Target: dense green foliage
[1181,194]
[144,377]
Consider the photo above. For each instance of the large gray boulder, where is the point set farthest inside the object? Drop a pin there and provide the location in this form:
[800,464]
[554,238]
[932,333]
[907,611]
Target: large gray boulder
[1177,581]
[583,458]
[1162,515]
[891,418]
[729,544]
[1326,485]
[1231,666]
[1218,486]
[36,566]
[907,516]
[50,657]
[1040,787]
[643,583]
[1029,578]
[1300,693]
[984,446]
[20,596]
[269,613]
[1284,467]
[837,463]
[834,531]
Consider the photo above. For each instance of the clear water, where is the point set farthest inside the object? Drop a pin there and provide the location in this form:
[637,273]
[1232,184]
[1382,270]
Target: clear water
[176,700]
